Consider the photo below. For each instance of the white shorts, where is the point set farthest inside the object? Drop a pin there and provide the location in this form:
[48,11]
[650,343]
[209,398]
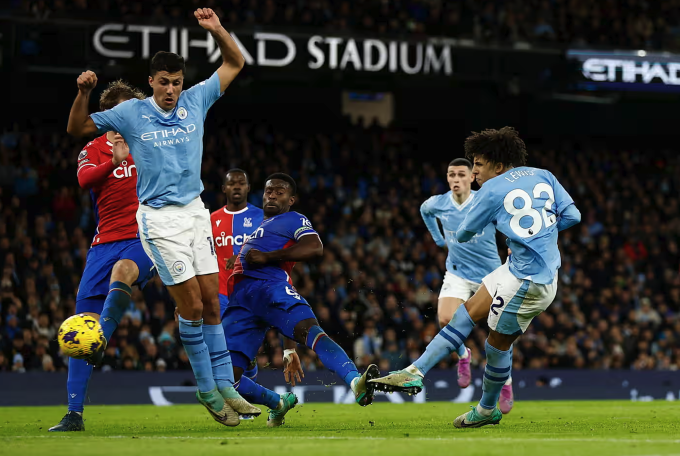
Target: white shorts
[515,301]
[179,240]
[457,287]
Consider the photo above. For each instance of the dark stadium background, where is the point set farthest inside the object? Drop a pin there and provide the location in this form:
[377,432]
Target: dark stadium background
[618,305]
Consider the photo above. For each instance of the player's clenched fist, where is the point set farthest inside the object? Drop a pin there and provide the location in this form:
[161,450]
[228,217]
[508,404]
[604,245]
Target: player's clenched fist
[254,256]
[120,149]
[207,18]
[87,81]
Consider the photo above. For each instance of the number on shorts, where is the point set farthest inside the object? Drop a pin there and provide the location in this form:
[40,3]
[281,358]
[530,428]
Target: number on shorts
[500,304]
[527,211]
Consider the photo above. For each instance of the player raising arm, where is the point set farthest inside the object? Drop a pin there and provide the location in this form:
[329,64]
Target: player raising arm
[116,260]
[165,136]
[466,263]
[530,207]
[263,297]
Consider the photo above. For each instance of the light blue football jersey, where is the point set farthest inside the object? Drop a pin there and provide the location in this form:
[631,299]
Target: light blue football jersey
[472,260]
[524,204]
[167,146]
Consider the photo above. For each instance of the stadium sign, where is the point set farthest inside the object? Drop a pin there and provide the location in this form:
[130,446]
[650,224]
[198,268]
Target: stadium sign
[120,41]
[628,70]
[120,387]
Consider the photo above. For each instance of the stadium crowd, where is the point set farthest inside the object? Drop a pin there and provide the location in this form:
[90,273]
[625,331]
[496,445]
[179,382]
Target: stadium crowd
[375,291]
[628,23]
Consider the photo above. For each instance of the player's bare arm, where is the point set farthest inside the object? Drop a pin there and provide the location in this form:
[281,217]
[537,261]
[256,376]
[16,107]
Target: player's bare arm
[308,248]
[232,59]
[79,122]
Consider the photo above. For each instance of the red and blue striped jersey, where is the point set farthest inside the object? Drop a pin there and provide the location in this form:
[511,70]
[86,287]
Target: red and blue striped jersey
[230,231]
[275,233]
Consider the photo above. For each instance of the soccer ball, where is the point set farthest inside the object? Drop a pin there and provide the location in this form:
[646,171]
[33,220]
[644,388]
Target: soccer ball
[80,336]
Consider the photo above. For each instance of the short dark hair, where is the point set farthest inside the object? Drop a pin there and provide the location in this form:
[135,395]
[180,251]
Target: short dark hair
[167,61]
[237,170]
[116,92]
[497,146]
[461,162]
[286,178]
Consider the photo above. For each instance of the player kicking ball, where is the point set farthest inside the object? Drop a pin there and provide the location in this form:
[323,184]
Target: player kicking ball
[165,136]
[530,207]
[466,263]
[116,260]
[262,297]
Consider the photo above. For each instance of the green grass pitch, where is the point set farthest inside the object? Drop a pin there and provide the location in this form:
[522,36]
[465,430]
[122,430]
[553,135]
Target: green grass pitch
[541,428]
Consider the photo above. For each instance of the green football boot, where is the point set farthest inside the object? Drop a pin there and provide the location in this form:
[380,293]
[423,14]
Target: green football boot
[277,417]
[473,419]
[401,381]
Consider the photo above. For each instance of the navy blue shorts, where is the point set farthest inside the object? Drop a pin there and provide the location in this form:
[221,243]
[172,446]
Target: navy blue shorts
[254,307]
[94,285]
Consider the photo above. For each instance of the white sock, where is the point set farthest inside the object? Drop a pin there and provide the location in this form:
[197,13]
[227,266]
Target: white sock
[353,384]
[484,412]
[280,404]
[508,382]
[414,370]
[466,355]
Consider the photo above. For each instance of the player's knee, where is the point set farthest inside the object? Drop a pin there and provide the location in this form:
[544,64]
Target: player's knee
[125,271]
[301,330]
[500,341]
[211,310]
[238,373]
[443,320]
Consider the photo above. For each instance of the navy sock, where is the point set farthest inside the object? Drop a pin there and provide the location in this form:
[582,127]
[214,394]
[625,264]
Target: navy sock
[115,306]
[191,335]
[220,359]
[449,339]
[256,393]
[252,373]
[332,355]
[79,373]
[497,371]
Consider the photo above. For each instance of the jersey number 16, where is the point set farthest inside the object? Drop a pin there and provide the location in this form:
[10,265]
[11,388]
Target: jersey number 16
[539,219]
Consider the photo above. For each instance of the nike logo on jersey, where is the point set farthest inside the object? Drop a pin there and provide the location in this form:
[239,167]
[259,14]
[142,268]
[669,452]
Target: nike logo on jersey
[217,223]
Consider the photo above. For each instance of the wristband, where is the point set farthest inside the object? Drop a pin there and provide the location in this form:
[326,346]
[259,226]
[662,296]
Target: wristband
[287,354]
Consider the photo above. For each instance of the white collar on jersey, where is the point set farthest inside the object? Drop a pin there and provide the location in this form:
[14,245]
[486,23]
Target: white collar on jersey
[237,212]
[160,110]
[460,207]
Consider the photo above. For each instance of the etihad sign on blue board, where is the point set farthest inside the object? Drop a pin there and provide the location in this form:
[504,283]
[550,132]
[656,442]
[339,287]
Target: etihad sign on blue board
[632,67]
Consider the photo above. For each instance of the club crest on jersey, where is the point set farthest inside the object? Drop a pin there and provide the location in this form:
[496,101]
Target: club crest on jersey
[179,267]
[82,155]
[247,222]
[182,113]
